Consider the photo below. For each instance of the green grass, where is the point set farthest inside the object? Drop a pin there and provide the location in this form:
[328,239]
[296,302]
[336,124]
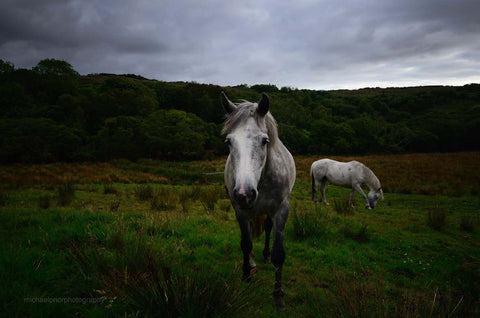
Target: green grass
[114,253]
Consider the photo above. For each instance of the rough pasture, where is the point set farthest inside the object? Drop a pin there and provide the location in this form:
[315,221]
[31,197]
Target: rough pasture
[134,232]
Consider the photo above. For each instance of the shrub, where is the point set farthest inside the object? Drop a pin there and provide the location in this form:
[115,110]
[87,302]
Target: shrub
[436,218]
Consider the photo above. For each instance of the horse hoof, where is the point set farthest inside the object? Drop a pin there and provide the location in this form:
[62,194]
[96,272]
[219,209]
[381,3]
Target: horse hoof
[278,298]
[279,304]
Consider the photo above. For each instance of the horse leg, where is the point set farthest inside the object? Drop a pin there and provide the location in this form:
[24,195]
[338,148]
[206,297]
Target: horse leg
[278,254]
[322,190]
[351,196]
[314,189]
[268,228]
[359,190]
[249,266]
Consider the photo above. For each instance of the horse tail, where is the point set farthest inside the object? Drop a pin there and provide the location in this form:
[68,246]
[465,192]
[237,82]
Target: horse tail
[258,225]
[313,183]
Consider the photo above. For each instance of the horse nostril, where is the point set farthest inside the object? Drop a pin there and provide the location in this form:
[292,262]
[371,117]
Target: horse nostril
[239,195]
[245,197]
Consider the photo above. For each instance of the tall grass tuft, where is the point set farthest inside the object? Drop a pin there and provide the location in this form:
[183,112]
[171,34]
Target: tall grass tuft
[185,200]
[361,295]
[66,193]
[149,286]
[357,296]
[114,205]
[307,224]
[468,222]
[188,293]
[436,217]
[361,234]
[224,205]
[210,195]
[144,192]
[44,201]
[164,199]
[109,188]
[343,206]
[3,197]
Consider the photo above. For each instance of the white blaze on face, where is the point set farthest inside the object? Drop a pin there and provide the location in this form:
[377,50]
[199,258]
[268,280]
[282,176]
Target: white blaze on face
[248,152]
[244,171]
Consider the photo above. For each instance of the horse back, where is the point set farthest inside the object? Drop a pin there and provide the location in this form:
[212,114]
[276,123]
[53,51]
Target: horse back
[338,173]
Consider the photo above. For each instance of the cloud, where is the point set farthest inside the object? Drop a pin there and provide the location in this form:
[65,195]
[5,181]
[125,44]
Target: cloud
[305,44]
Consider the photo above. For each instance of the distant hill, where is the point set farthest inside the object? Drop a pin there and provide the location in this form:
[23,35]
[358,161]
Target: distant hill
[51,113]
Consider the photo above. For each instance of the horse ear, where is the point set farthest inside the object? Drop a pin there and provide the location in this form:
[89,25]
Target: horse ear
[227,104]
[263,105]
[381,192]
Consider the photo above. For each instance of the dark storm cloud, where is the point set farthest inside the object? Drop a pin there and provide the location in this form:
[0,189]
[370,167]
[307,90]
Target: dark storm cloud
[312,44]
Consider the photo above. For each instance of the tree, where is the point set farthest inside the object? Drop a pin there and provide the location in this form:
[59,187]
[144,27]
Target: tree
[6,67]
[55,67]
[37,140]
[126,96]
[175,134]
[121,137]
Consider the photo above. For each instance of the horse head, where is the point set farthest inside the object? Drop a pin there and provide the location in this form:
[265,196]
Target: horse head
[373,197]
[247,138]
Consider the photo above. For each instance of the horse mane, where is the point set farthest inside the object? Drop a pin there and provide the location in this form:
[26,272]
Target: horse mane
[370,178]
[246,109]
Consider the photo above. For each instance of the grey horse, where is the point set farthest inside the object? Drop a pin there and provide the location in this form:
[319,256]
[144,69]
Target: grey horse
[259,177]
[347,174]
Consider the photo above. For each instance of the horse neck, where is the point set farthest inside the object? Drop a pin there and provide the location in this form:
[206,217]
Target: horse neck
[275,151]
[371,179]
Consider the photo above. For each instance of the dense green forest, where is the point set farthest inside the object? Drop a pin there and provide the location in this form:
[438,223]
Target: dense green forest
[51,113]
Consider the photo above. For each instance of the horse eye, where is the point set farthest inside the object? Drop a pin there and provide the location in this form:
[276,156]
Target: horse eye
[265,141]
[228,142]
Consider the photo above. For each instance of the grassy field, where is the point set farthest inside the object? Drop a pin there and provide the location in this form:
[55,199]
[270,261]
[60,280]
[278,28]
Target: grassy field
[159,239]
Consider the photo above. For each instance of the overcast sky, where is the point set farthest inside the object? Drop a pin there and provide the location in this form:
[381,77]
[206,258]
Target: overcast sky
[327,44]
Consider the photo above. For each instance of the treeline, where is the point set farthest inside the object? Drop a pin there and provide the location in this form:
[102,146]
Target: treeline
[51,113]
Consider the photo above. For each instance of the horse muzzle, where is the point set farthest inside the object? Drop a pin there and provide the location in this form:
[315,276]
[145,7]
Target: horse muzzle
[245,198]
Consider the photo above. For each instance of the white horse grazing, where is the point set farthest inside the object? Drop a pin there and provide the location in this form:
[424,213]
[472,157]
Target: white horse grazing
[348,174]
